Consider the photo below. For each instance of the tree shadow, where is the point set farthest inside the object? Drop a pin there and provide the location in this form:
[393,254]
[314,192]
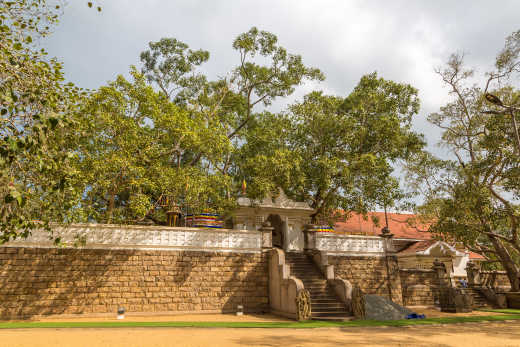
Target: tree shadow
[53,281]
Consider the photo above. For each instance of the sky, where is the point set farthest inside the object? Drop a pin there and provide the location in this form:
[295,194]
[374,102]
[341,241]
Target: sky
[402,40]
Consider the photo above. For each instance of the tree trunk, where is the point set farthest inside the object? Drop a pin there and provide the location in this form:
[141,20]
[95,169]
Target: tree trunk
[110,208]
[511,269]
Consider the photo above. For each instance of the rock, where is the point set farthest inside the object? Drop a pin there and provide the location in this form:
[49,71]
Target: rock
[380,308]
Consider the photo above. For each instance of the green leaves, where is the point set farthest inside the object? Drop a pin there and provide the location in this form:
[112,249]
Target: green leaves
[332,152]
[139,145]
[36,175]
[472,198]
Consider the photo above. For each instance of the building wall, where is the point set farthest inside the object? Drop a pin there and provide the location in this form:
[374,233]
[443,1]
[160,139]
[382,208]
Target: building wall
[495,279]
[41,281]
[370,274]
[420,287]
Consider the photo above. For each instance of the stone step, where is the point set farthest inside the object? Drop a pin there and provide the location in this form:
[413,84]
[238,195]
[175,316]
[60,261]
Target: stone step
[316,291]
[321,289]
[316,283]
[324,300]
[307,275]
[310,280]
[329,310]
[343,313]
[333,318]
[327,306]
[322,297]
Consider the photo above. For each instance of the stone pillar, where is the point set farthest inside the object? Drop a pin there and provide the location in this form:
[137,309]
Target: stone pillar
[267,235]
[451,299]
[473,275]
[309,234]
[440,269]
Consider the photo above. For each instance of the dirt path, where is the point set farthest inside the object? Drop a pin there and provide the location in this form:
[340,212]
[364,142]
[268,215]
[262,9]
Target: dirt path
[469,334]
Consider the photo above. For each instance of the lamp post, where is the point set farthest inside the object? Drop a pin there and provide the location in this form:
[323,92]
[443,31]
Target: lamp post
[507,109]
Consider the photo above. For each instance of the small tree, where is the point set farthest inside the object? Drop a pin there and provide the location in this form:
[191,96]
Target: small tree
[474,198]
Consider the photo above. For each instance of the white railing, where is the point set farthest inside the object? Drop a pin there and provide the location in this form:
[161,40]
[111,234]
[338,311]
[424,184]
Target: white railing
[146,237]
[350,244]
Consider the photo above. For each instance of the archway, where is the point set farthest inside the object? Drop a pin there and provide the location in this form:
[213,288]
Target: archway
[277,224]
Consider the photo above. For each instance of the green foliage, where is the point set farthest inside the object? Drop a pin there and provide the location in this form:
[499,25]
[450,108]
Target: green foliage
[473,199]
[171,65]
[35,175]
[132,152]
[334,152]
[261,84]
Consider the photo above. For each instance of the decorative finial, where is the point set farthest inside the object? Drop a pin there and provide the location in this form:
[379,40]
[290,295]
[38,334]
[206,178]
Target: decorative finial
[244,187]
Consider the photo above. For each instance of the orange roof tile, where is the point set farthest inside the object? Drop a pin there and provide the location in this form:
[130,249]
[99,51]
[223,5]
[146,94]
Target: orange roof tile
[476,256]
[418,247]
[400,224]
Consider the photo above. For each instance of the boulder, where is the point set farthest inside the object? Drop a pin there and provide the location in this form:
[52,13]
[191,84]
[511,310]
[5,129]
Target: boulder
[380,308]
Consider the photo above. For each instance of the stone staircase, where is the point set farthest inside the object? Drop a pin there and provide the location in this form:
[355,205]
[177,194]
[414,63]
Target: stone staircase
[479,300]
[324,303]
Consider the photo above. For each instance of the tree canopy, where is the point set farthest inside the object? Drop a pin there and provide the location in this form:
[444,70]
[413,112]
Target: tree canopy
[109,155]
[473,198]
[35,102]
[334,152]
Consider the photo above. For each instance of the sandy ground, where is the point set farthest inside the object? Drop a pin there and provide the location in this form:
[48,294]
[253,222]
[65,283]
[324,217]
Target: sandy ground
[469,334]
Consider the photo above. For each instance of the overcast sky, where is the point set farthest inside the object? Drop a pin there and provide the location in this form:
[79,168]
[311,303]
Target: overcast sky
[401,40]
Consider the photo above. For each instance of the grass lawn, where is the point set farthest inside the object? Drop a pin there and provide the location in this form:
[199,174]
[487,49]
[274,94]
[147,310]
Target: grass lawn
[504,310]
[510,315]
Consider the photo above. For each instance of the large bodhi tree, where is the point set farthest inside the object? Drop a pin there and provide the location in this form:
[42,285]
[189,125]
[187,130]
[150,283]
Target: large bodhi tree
[180,138]
[333,152]
[265,71]
[473,198]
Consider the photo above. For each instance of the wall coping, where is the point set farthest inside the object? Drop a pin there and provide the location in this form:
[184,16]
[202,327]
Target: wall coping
[342,236]
[114,236]
[147,227]
[350,245]
[417,270]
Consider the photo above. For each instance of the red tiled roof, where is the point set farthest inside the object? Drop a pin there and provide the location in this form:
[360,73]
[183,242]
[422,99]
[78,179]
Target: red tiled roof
[476,256]
[418,247]
[400,224]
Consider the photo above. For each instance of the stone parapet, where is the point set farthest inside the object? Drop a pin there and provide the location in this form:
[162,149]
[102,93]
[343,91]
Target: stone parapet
[335,244]
[109,236]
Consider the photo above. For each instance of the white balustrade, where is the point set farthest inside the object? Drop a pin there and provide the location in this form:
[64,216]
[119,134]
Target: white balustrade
[349,244]
[145,237]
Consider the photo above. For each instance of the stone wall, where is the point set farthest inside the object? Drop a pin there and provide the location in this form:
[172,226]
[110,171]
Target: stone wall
[420,287]
[40,281]
[495,279]
[370,274]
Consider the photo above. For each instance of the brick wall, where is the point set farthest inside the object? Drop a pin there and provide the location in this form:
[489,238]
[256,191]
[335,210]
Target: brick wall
[420,287]
[370,274]
[40,281]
